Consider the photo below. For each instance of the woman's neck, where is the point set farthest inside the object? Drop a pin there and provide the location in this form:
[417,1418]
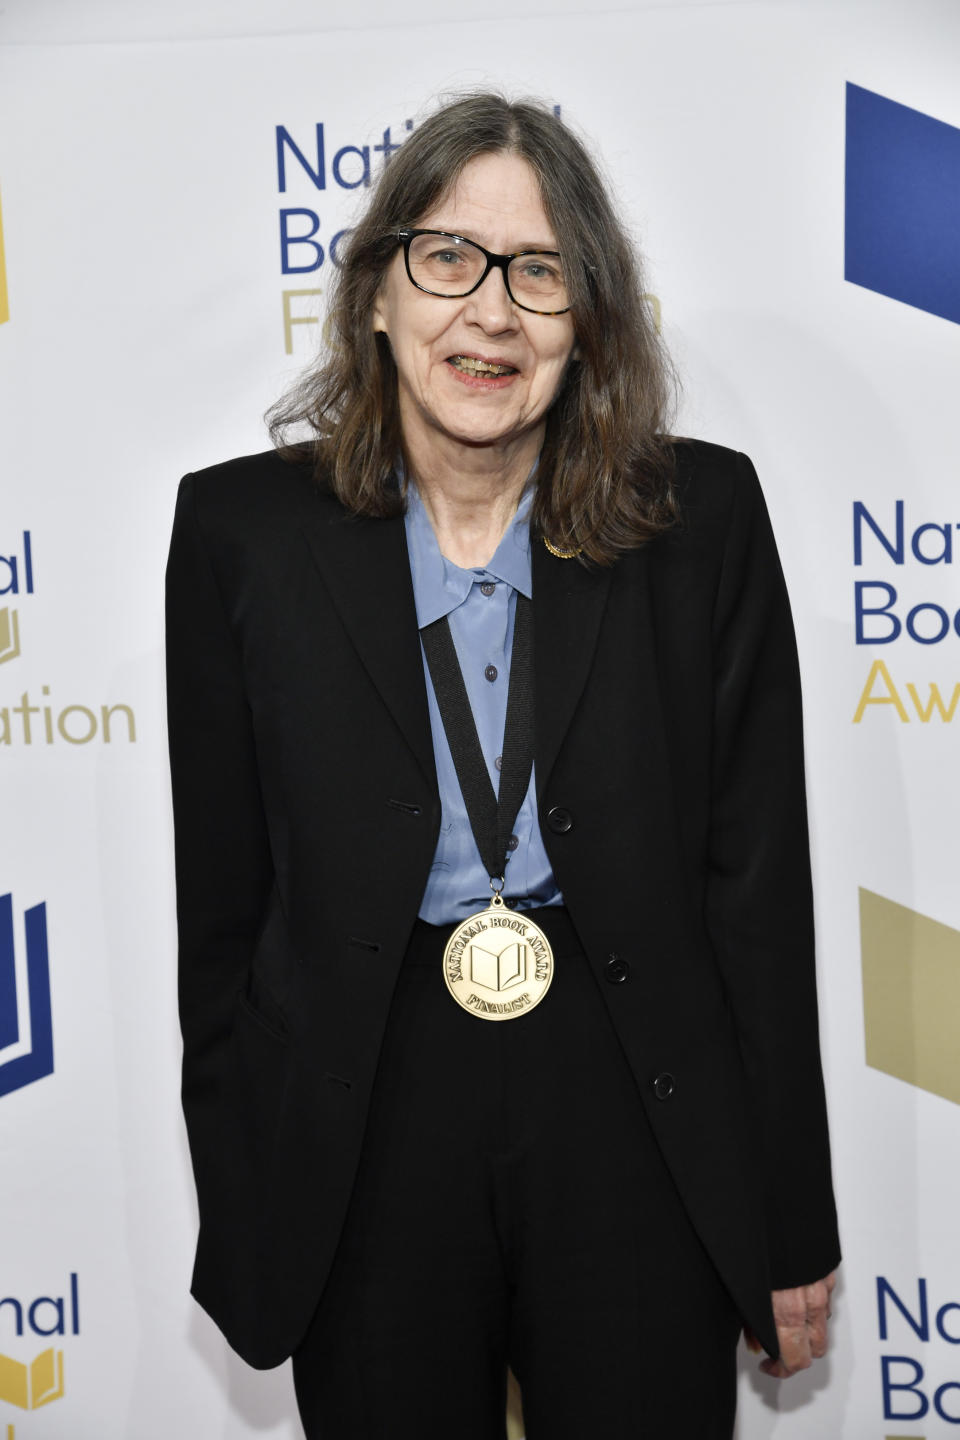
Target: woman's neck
[471,505]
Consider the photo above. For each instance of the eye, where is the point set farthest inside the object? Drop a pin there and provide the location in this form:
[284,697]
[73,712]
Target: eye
[538,270]
[449,257]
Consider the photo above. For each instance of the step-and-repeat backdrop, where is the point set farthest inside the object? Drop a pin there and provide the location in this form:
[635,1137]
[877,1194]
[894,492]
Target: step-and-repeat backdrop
[171,215]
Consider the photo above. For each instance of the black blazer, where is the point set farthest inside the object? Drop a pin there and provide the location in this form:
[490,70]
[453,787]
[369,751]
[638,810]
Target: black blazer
[671,798]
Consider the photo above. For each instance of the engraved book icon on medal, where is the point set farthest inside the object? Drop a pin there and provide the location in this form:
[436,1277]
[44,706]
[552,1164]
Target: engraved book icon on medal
[498,963]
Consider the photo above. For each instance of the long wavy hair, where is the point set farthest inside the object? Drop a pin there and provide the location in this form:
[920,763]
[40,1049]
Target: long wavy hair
[606,467]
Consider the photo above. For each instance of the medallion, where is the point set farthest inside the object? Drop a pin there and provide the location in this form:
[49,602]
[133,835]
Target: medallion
[498,964]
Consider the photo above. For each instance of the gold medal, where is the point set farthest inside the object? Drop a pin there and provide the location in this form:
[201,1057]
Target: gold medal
[498,964]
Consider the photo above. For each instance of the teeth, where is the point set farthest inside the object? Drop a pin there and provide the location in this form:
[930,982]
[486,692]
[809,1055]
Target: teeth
[479,367]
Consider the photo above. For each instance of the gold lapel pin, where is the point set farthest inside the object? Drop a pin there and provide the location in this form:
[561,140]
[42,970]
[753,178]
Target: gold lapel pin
[560,554]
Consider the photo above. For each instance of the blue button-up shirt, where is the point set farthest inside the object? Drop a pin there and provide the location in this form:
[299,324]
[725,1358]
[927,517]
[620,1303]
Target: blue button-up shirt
[480,604]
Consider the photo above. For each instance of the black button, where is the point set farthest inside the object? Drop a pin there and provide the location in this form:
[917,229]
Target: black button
[664,1085]
[499,762]
[559,820]
[512,843]
[491,672]
[616,970]
[487,588]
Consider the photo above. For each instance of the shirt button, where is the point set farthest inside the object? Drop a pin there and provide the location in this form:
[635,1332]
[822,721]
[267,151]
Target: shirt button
[664,1086]
[512,843]
[491,672]
[487,588]
[499,762]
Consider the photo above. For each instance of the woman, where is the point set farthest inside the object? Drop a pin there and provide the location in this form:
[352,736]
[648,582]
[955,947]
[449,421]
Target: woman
[600,717]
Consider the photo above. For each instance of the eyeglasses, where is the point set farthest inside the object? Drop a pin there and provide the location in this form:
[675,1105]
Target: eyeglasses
[451,266]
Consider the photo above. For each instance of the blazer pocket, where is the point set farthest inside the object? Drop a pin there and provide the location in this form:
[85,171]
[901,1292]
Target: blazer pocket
[268,1019]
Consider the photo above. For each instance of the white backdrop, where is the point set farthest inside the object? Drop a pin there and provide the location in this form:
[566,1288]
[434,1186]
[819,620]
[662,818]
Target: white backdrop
[143,274]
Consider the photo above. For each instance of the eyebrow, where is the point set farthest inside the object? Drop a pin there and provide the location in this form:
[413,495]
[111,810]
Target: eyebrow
[528,245]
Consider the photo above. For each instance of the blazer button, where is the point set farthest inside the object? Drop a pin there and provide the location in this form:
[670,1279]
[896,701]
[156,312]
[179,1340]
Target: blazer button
[663,1086]
[559,820]
[616,970]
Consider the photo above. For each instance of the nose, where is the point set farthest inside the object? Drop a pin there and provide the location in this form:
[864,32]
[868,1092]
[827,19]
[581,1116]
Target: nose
[490,305]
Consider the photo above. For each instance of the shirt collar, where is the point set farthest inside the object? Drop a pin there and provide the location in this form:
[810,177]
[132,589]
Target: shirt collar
[440,586]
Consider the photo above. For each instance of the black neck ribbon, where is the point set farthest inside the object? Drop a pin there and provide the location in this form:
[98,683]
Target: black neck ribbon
[491,819]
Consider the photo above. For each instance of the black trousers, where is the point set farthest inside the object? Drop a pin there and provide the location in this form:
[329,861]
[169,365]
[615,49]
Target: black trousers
[512,1207]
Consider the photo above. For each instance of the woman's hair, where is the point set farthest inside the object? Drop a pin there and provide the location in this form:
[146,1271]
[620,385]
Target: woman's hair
[604,478]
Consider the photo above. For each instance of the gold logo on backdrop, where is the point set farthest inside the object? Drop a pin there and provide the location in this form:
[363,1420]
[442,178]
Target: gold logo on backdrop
[4,297]
[911,995]
[9,634]
[881,689]
[290,319]
[28,719]
[33,1385]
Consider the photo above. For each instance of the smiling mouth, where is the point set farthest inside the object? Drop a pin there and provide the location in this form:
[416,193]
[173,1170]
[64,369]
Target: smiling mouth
[470,365]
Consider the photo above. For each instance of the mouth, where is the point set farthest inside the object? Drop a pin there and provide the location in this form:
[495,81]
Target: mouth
[473,365]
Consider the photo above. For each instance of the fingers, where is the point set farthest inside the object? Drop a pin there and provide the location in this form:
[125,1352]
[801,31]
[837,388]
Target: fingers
[801,1316]
[776,1368]
[793,1332]
[818,1305]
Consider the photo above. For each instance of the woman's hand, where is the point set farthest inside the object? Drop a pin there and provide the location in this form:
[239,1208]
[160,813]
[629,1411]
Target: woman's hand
[801,1318]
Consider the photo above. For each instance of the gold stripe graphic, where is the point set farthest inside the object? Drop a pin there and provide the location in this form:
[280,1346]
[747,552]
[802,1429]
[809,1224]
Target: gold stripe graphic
[4,297]
[911,995]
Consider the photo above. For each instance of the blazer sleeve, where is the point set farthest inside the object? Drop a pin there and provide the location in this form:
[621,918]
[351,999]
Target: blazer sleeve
[222,855]
[759,899]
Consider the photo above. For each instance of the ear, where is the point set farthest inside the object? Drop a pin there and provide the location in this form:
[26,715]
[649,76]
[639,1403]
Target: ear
[379,319]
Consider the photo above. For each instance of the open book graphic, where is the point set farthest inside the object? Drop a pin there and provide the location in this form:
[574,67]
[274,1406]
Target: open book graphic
[33,1385]
[499,972]
[9,634]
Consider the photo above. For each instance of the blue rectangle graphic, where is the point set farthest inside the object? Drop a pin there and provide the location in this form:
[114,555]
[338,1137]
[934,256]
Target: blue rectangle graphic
[902,203]
[9,1022]
[22,1070]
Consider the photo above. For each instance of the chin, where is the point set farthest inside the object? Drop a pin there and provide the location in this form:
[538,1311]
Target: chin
[484,425]
[483,435]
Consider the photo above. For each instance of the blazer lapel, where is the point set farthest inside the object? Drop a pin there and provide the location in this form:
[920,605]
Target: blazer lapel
[568,605]
[364,564]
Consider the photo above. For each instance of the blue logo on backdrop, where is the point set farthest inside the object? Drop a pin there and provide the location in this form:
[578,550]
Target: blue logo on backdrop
[909,1391]
[902,204]
[26,1029]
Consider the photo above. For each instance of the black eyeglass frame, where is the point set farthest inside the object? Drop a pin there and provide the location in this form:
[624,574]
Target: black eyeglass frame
[494,262]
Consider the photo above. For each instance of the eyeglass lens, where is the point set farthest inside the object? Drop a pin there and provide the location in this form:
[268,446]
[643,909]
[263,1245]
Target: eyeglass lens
[450,267]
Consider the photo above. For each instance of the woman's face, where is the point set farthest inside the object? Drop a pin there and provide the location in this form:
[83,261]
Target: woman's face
[496,202]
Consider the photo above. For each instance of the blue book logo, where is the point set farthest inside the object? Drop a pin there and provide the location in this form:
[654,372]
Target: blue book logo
[26,1028]
[902,204]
